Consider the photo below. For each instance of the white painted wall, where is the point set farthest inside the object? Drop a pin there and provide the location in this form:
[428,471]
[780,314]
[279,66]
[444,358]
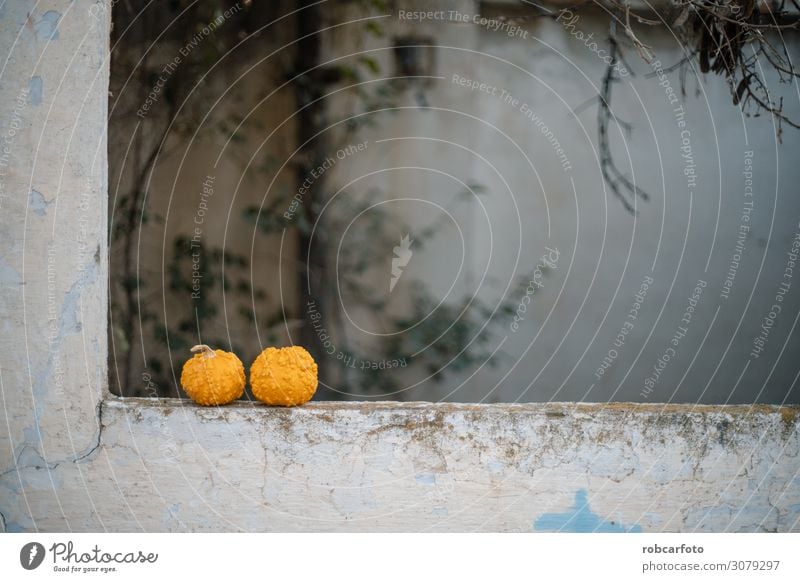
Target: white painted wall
[53,251]
[74,458]
[605,253]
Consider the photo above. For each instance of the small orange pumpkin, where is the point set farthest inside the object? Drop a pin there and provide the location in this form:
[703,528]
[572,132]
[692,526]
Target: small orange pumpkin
[213,377]
[284,376]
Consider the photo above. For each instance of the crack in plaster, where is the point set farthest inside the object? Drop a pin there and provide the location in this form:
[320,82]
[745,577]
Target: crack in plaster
[68,325]
[53,465]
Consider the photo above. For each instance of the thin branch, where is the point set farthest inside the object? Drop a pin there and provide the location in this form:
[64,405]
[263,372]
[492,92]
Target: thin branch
[621,186]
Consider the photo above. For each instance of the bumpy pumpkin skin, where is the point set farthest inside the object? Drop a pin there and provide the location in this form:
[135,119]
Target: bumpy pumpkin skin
[284,376]
[213,380]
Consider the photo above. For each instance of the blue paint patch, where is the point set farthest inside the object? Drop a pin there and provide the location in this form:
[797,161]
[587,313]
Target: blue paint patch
[13,527]
[440,511]
[495,467]
[426,479]
[35,86]
[653,518]
[172,515]
[580,519]
[69,325]
[47,26]
[173,510]
[29,456]
[9,275]
[32,437]
[13,484]
[793,513]
[37,203]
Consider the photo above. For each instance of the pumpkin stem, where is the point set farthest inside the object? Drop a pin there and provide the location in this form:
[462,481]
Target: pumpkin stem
[207,351]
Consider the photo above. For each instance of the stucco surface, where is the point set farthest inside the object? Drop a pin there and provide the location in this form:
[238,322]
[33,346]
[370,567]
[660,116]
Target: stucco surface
[173,466]
[53,266]
[74,458]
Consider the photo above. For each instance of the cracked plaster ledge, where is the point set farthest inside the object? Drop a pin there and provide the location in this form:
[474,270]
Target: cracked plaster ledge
[169,465]
[412,466]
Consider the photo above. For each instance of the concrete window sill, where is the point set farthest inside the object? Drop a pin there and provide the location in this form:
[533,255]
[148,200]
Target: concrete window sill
[392,466]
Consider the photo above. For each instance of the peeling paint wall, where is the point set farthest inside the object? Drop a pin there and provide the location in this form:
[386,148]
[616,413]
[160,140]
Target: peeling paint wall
[70,462]
[53,252]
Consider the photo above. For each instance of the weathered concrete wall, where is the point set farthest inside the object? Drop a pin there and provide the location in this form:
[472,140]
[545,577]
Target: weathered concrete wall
[407,467]
[73,458]
[53,252]
[544,80]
